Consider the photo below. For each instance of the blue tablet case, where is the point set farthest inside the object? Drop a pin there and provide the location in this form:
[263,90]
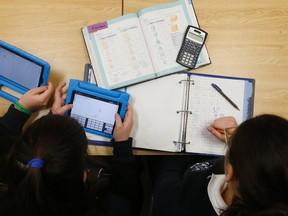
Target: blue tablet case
[93,90]
[17,86]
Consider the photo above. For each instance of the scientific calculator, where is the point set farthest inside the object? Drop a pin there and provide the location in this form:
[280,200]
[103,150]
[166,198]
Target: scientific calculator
[193,42]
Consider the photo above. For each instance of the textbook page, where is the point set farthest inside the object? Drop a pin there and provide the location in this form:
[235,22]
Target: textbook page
[164,27]
[206,105]
[120,56]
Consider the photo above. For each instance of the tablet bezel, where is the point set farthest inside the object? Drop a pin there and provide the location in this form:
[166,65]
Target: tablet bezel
[101,99]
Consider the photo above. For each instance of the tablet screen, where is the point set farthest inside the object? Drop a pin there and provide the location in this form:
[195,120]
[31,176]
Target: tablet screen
[94,113]
[19,69]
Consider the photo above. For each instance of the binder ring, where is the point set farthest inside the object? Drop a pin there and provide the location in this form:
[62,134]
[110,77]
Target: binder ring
[178,111]
[191,81]
[178,142]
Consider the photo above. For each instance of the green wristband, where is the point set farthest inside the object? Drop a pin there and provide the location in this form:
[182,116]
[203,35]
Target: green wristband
[22,109]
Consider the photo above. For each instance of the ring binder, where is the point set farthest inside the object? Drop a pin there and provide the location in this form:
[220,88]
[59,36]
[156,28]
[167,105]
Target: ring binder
[186,132]
[185,111]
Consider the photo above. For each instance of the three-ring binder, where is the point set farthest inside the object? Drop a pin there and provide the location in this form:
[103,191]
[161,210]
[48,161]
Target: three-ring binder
[181,145]
[164,107]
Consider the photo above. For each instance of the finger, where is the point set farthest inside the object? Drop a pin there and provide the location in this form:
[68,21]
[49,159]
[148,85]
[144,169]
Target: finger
[38,90]
[64,96]
[129,113]
[129,108]
[65,108]
[216,133]
[118,120]
[49,90]
[58,90]
[42,89]
[61,86]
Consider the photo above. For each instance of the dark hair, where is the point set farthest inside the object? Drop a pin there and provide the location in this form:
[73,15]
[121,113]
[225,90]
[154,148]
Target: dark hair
[58,187]
[259,157]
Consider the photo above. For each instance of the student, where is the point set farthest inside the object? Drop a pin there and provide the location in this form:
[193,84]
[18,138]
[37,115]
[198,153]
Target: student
[50,173]
[12,122]
[255,180]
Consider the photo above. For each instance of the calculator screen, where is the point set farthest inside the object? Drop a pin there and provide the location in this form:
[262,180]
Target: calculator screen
[20,70]
[94,113]
[195,37]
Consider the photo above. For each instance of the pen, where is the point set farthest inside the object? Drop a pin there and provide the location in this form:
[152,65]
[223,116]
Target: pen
[224,95]
[223,131]
[220,130]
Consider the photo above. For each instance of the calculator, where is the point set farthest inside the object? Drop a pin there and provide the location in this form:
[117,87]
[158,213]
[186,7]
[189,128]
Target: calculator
[193,42]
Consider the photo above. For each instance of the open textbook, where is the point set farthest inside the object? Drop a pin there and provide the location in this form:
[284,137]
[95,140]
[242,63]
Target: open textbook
[142,46]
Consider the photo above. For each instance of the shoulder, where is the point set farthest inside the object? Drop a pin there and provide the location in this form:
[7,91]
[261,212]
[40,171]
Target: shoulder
[214,165]
[190,193]
[208,167]
[197,178]
[13,120]
[10,128]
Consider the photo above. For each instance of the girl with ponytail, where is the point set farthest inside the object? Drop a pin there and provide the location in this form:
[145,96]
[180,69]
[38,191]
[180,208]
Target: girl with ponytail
[47,170]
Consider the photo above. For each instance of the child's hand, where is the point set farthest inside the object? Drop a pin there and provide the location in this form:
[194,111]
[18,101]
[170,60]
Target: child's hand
[122,129]
[36,98]
[218,126]
[59,106]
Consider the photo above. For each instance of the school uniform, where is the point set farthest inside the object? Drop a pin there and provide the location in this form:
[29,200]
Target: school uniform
[123,198]
[181,189]
[11,124]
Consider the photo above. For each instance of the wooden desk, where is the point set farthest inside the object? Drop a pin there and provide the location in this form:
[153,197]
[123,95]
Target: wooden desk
[246,39]
[51,31]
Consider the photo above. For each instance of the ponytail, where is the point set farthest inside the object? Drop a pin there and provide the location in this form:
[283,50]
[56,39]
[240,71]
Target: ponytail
[31,188]
[45,168]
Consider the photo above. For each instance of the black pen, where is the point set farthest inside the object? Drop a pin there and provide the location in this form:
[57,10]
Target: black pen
[225,96]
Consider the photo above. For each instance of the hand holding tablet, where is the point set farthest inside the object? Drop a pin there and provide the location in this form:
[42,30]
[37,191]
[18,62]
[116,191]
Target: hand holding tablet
[95,108]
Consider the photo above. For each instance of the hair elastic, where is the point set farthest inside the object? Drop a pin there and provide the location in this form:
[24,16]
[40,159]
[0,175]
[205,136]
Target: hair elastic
[22,108]
[35,163]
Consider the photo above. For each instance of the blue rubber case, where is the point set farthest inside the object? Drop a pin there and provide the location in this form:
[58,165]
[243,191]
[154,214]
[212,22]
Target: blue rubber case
[17,86]
[92,91]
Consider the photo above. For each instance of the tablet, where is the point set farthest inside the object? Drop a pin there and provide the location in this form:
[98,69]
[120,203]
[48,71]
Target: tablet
[95,108]
[20,71]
